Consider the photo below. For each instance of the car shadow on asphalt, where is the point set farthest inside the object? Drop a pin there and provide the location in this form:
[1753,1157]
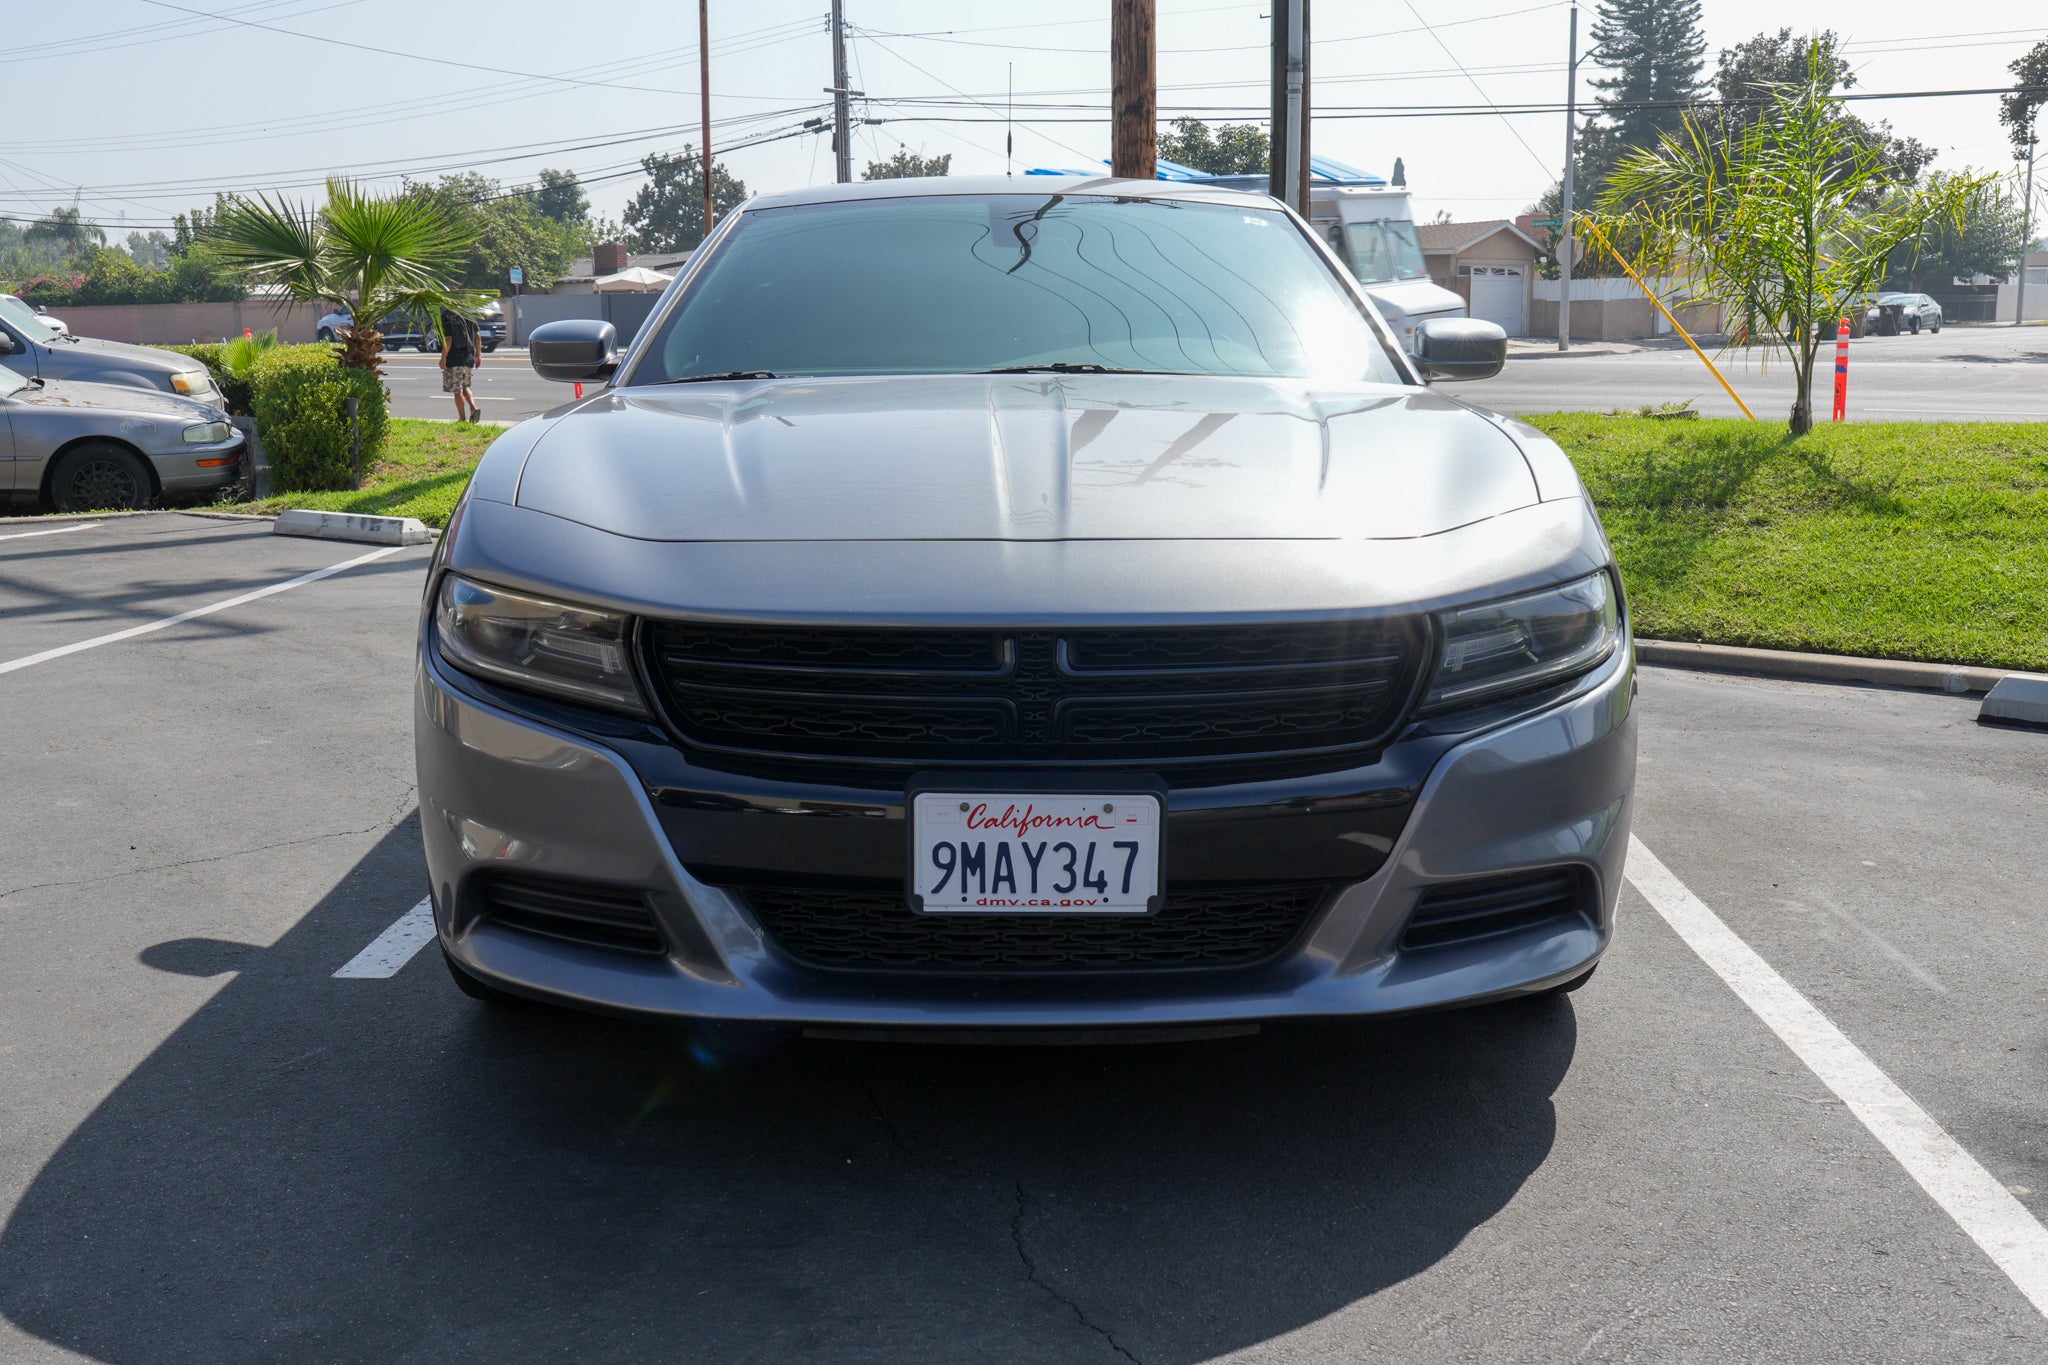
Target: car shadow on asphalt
[380,1170]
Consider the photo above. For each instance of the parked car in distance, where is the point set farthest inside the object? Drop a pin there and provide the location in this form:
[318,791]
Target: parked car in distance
[974,604]
[490,327]
[401,330]
[1894,313]
[328,328]
[30,349]
[55,324]
[84,447]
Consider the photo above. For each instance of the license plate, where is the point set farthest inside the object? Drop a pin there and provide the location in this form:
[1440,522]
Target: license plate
[1033,853]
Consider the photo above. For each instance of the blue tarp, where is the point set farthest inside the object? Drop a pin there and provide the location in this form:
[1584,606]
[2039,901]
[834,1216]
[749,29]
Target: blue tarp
[1320,168]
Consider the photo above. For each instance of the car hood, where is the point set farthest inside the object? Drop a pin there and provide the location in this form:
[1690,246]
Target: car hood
[134,358]
[122,399]
[1023,457]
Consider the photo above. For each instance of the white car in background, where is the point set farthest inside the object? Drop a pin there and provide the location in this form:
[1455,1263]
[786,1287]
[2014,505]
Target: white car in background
[54,324]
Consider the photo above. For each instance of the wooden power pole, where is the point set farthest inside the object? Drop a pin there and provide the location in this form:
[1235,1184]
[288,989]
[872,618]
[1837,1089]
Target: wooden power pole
[1133,90]
[1287,180]
[704,111]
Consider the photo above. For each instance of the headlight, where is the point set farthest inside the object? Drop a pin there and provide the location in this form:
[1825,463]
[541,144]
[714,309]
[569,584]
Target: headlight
[207,433]
[540,645]
[1498,648]
[190,382]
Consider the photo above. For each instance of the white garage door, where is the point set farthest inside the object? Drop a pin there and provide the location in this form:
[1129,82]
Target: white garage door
[1497,292]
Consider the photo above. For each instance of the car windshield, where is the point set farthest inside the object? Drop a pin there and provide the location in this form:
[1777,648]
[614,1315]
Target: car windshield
[22,316]
[1384,250]
[976,283]
[1897,298]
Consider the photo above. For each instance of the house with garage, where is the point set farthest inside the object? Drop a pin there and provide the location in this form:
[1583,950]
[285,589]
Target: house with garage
[1491,265]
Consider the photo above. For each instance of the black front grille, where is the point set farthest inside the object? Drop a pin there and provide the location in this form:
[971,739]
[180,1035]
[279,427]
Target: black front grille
[1159,696]
[577,911]
[1216,927]
[1467,911]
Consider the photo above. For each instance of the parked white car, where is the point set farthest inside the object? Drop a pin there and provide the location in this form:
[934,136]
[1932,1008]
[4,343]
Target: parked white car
[54,324]
[331,324]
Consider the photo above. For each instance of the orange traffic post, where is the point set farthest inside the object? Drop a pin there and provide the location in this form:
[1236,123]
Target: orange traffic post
[1842,370]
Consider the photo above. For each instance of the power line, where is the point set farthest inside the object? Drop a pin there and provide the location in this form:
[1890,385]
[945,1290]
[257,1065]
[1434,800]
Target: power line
[411,56]
[161,31]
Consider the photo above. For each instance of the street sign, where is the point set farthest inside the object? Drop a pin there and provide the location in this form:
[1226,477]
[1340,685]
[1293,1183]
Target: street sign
[518,275]
[1539,222]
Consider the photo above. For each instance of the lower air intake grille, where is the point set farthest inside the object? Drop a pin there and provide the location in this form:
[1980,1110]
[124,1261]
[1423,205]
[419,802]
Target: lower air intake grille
[578,912]
[877,931]
[1464,912]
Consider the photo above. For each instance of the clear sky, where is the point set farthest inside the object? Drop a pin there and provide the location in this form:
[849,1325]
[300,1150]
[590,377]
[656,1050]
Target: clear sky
[151,108]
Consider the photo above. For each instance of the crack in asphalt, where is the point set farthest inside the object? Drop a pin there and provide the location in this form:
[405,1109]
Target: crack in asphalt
[384,825]
[1031,1273]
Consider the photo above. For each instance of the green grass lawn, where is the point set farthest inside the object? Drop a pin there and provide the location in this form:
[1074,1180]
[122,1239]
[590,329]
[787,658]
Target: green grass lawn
[1906,540]
[423,470]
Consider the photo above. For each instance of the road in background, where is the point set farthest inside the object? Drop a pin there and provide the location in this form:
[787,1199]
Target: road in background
[213,1148]
[1960,374]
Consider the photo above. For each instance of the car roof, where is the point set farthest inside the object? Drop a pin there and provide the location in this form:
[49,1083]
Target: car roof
[1036,187]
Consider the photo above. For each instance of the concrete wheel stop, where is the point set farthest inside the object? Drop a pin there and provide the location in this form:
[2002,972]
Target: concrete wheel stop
[2018,699]
[356,526]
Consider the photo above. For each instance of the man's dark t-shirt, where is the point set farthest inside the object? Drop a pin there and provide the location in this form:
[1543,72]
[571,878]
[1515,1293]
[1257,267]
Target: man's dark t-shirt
[461,339]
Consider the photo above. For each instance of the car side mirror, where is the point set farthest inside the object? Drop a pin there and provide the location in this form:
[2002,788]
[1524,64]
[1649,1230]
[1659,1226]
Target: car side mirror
[7,344]
[574,350]
[1459,348]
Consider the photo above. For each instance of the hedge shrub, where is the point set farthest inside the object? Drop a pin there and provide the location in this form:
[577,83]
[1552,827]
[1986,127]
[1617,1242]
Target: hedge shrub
[299,394]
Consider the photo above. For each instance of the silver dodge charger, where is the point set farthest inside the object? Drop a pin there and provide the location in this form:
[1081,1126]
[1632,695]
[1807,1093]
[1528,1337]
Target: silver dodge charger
[1005,604]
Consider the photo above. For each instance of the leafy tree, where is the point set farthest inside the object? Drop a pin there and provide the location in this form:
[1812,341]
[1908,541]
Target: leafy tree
[1988,242]
[1657,54]
[560,197]
[667,213]
[113,276]
[2019,106]
[908,165]
[65,230]
[1775,221]
[152,250]
[189,229]
[1748,73]
[372,256]
[506,229]
[1228,149]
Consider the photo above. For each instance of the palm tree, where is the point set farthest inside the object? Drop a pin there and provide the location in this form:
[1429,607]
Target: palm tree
[1788,221]
[67,231]
[371,256]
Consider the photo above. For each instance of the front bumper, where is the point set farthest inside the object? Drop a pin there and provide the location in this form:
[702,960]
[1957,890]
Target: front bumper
[504,791]
[179,471]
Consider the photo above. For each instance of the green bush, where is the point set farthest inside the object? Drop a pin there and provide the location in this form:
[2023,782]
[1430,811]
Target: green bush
[299,393]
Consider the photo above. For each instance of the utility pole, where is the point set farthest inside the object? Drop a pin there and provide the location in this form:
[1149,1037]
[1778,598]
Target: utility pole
[2019,312]
[1133,90]
[842,133]
[704,109]
[1564,227]
[1287,178]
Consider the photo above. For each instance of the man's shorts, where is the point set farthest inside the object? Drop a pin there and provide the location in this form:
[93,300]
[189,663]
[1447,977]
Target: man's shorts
[455,379]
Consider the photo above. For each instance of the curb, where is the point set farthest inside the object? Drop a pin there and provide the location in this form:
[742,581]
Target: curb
[1955,679]
[370,530]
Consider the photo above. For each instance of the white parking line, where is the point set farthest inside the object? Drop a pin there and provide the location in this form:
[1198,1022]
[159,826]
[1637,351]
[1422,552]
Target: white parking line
[1982,1207]
[57,531]
[31,660]
[395,947]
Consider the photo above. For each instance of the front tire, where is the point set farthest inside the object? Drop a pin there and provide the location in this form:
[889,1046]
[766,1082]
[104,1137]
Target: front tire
[324,334]
[100,476]
[1915,328]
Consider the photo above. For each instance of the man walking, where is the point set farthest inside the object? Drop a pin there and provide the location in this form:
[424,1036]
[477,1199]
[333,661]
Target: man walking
[460,352]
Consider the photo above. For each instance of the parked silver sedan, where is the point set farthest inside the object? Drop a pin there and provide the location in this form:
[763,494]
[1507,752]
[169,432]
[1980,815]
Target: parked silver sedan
[1894,313]
[85,447]
[978,604]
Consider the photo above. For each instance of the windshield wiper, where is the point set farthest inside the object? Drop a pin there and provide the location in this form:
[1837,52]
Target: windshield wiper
[729,374]
[1071,367]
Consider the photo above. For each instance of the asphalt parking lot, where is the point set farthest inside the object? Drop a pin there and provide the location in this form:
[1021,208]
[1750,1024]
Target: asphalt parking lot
[214,1148]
